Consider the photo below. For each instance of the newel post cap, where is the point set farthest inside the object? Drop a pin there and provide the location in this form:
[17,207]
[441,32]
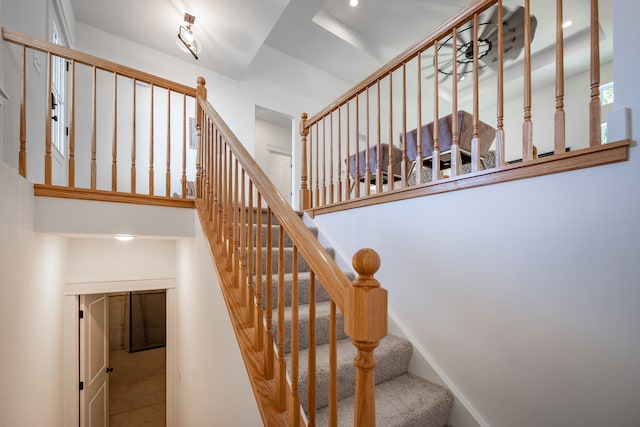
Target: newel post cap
[366,304]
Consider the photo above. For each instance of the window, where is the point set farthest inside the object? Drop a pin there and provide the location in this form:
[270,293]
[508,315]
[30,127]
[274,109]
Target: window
[606,105]
[58,87]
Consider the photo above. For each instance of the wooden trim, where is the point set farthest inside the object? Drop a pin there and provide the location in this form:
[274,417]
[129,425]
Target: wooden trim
[593,156]
[83,58]
[108,196]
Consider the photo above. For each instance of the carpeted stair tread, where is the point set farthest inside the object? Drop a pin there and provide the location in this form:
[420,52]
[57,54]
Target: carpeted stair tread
[405,401]
[393,356]
[323,320]
[304,280]
[288,259]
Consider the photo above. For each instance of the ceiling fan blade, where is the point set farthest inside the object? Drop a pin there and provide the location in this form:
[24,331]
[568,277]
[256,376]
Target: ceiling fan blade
[491,21]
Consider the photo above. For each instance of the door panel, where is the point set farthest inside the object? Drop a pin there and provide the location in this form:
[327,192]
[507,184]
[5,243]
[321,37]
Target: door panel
[94,361]
[280,173]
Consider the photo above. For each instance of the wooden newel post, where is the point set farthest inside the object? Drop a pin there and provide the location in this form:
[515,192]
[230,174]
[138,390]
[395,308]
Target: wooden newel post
[366,324]
[201,92]
[305,194]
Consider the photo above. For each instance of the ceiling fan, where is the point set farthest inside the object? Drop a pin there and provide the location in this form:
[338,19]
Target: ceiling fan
[487,52]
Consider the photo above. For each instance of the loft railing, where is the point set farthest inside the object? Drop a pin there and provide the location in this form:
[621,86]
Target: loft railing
[242,212]
[365,147]
[94,129]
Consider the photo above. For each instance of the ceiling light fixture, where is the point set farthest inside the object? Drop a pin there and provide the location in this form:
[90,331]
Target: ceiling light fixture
[566,24]
[124,237]
[186,41]
[353,3]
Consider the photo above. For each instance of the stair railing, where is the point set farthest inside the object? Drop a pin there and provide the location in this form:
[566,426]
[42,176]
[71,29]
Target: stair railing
[364,148]
[239,208]
[89,127]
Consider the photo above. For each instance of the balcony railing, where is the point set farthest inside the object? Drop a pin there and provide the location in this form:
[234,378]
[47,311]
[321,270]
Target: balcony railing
[94,129]
[416,126]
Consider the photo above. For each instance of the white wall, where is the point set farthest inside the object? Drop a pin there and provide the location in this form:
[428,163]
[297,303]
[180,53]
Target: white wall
[31,284]
[213,387]
[523,295]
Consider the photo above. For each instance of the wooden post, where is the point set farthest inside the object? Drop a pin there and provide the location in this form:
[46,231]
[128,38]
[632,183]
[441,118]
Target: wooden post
[366,324]
[305,196]
[500,136]
[594,104]
[47,118]
[527,126]
[559,118]
[22,159]
[201,93]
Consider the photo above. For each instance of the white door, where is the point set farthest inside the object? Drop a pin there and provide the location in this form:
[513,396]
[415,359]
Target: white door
[94,361]
[280,172]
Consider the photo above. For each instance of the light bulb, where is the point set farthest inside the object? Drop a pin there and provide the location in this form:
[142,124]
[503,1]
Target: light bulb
[353,3]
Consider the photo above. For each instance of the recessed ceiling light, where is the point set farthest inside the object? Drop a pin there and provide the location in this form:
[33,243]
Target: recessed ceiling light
[353,3]
[567,24]
[124,237]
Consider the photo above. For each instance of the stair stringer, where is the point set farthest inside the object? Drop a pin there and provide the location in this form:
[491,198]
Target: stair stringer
[422,364]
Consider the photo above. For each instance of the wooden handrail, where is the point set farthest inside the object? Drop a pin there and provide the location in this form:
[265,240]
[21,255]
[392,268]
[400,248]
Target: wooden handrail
[102,64]
[317,257]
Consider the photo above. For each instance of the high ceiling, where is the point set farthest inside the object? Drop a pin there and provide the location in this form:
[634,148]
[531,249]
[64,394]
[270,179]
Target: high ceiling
[346,42]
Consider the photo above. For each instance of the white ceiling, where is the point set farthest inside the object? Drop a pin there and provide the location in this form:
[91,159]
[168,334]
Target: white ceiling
[349,43]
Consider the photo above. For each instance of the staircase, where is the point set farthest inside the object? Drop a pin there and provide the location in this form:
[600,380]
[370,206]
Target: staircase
[402,399]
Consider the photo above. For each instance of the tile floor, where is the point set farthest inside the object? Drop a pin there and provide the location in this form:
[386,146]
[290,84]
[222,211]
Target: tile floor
[137,388]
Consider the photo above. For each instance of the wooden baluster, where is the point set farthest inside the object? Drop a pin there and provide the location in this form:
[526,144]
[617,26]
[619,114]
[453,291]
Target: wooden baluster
[215,177]
[219,187]
[168,171]
[317,190]
[281,378]
[559,118]
[347,184]
[133,138]
[331,178]
[236,226]
[205,149]
[311,196]
[324,161]
[258,339]
[378,148]
[311,363]
[595,132]
[475,140]
[184,146]
[294,396]
[418,166]
[201,92]
[527,127]
[93,131]
[366,324]
[243,242]
[72,125]
[333,366]
[229,207]
[305,201]
[268,342]
[250,257]
[358,177]
[47,132]
[500,136]
[367,156]
[405,161]
[22,157]
[391,173]
[339,197]
[456,160]
[151,138]
[114,146]
[222,197]
[435,158]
